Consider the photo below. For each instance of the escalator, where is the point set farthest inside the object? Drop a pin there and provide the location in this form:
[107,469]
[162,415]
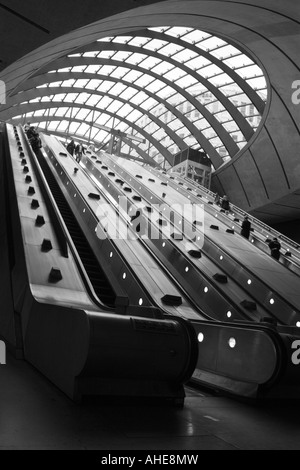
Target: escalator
[94,271]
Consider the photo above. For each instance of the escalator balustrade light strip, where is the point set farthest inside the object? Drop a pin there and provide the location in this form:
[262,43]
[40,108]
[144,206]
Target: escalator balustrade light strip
[200,337]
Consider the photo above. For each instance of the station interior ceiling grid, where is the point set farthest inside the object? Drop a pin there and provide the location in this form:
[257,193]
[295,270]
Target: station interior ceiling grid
[164,88]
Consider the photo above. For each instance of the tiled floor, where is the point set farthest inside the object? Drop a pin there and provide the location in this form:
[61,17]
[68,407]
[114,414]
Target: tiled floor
[35,415]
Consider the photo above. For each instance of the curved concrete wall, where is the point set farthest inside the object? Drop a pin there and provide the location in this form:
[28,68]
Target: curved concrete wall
[264,178]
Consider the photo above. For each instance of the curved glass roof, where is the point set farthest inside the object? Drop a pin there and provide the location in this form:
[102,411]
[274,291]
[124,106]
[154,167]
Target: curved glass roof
[162,89]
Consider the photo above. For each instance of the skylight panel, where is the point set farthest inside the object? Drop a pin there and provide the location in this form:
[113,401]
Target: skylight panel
[177,31]
[122,39]
[93,100]
[175,125]
[133,75]
[148,104]
[136,58]
[155,86]
[197,63]
[168,50]
[105,102]
[138,41]
[105,54]
[150,62]
[195,36]
[139,98]
[126,109]
[81,98]
[134,115]
[105,86]
[119,72]
[122,55]
[76,68]
[90,54]
[81,83]
[117,89]
[128,93]
[162,68]
[71,97]
[144,80]
[186,81]
[155,44]
[115,106]
[175,74]
[184,56]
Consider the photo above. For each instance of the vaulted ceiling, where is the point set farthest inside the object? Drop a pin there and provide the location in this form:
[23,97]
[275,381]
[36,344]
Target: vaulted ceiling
[215,75]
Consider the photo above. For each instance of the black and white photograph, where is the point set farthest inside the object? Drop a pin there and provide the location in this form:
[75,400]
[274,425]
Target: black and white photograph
[149,228]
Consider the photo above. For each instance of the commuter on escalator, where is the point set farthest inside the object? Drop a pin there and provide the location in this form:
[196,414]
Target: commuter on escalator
[246,227]
[217,199]
[33,137]
[225,205]
[275,247]
[79,151]
[71,147]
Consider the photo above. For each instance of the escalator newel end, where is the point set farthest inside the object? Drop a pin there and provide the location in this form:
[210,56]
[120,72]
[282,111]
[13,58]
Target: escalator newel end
[55,275]
[46,246]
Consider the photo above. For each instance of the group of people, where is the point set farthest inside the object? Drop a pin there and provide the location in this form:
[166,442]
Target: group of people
[33,137]
[273,244]
[78,149]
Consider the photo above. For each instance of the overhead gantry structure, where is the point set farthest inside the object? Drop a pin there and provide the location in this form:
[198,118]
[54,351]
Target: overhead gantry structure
[214,75]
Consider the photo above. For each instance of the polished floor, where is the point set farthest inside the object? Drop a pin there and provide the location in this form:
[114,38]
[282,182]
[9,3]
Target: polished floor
[35,415]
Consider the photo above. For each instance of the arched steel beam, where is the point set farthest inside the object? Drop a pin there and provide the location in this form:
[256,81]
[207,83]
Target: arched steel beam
[41,92]
[144,155]
[247,89]
[219,129]
[141,152]
[238,117]
[31,107]
[36,81]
